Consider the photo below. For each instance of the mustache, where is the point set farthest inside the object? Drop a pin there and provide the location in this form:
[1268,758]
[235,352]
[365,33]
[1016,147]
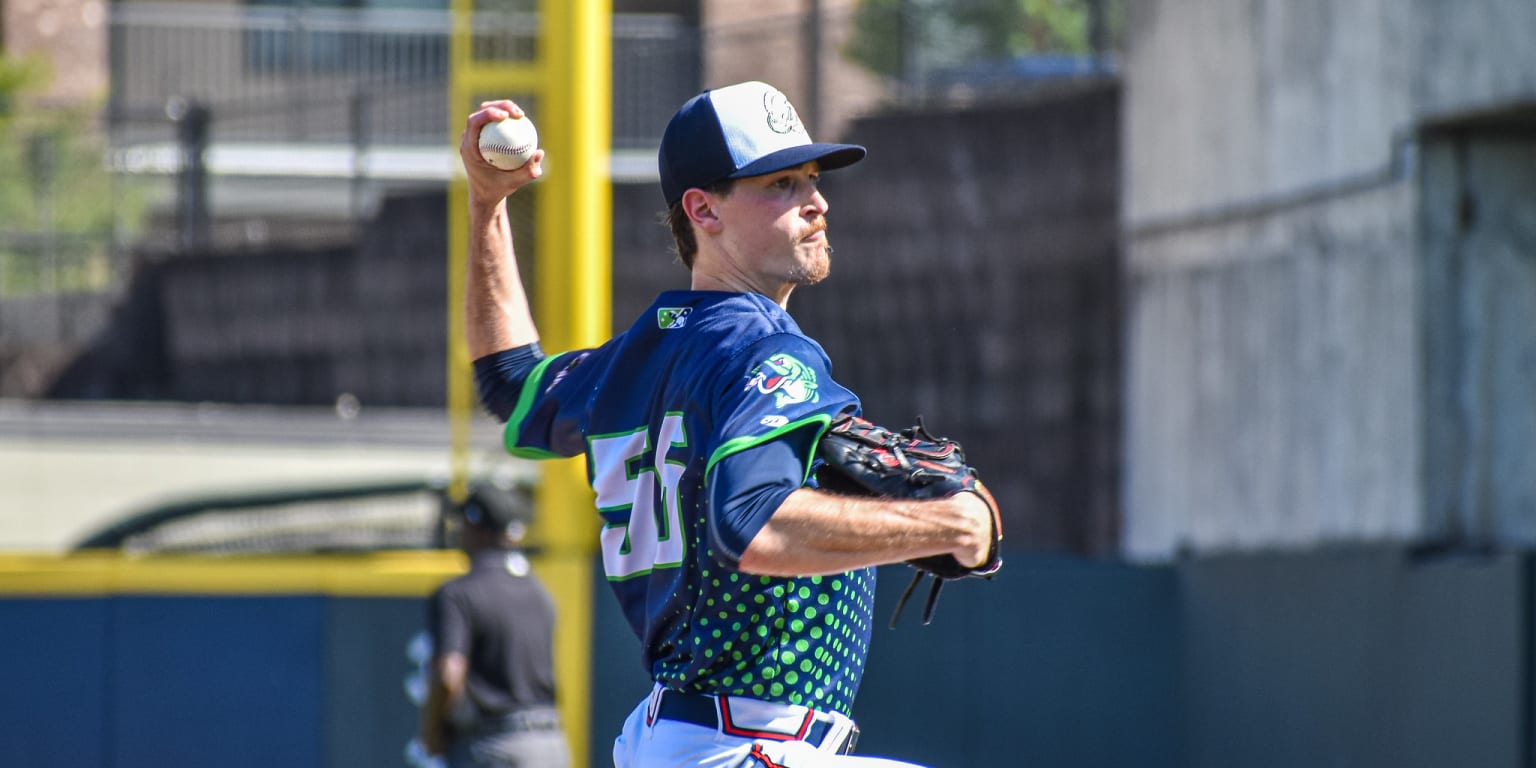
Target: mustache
[819,225]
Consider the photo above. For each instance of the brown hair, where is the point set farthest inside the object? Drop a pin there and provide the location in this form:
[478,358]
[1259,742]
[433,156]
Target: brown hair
[677,220]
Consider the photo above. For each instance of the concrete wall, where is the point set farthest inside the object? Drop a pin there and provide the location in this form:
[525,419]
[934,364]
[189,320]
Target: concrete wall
[1477,250]
[1271,381]
[1230,102]
[1276,371]
[1471,59]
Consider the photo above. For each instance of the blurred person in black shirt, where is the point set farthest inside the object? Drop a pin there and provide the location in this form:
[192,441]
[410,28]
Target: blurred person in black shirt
[491,696]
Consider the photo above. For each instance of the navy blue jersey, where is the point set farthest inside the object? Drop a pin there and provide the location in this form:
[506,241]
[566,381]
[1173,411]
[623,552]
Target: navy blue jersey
[700,377]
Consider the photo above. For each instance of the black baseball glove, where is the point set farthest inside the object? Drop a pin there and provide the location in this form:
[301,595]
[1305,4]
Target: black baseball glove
[865,459]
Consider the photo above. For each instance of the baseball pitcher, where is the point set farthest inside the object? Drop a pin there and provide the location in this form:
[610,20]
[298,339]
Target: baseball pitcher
[708,429]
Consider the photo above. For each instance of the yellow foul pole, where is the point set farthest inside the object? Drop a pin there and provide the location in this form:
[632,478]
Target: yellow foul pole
[574,289]
[570,82]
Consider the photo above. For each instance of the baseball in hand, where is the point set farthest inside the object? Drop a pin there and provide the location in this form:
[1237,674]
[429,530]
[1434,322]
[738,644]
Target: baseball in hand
[507,144]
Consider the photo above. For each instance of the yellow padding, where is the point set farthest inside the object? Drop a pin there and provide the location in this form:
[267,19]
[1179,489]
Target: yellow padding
[379,574]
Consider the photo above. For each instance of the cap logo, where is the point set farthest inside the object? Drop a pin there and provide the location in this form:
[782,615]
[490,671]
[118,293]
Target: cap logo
[782,117]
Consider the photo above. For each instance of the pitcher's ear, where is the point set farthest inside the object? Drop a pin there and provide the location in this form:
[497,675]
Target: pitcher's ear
[699,206]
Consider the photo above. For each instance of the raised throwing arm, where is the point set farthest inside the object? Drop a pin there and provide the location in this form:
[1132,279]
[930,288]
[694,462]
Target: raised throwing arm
[495,302]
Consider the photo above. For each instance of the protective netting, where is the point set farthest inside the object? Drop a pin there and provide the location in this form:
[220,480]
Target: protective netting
[330,520]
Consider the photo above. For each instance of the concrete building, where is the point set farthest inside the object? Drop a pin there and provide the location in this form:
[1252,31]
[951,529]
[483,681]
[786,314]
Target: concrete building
[1330,216]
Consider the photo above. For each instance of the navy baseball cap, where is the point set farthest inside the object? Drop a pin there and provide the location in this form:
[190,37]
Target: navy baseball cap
[741,130]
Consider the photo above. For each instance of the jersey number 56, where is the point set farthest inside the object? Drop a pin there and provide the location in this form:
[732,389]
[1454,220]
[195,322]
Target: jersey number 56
[637,536]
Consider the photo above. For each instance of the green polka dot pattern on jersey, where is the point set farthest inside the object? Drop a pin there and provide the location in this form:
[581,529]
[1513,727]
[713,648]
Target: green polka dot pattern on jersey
[798,641]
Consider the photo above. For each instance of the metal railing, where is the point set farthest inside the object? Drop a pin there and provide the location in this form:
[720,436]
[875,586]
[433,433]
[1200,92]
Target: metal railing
[309,74]
[306,74]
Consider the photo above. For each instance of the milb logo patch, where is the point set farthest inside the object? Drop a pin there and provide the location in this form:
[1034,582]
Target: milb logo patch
[669,318]
[790,381]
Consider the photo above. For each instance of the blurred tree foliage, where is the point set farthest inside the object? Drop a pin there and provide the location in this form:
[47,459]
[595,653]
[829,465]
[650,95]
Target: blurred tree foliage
[889,33]
[60,208]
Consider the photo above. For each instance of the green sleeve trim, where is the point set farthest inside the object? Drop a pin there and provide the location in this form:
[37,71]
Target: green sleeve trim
[535,454]
[525,404]
[731,447]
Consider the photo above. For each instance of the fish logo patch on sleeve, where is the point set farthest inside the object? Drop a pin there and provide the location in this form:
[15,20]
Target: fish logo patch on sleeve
[790,381]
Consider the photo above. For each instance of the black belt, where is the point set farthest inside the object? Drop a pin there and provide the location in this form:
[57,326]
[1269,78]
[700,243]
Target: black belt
[702,709]
[523,720]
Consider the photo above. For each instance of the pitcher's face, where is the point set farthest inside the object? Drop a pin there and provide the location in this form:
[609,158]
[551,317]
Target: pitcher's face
[775,225]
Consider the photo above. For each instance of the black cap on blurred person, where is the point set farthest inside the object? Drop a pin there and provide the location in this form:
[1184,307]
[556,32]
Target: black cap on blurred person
[494,509]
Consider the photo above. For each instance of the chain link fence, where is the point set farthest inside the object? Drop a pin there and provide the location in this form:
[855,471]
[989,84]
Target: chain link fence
[61,215]
[65,230]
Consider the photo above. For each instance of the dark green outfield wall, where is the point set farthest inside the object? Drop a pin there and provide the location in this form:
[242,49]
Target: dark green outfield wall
[232,681]
[1037,667]
[1359,657]
[1356,657]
